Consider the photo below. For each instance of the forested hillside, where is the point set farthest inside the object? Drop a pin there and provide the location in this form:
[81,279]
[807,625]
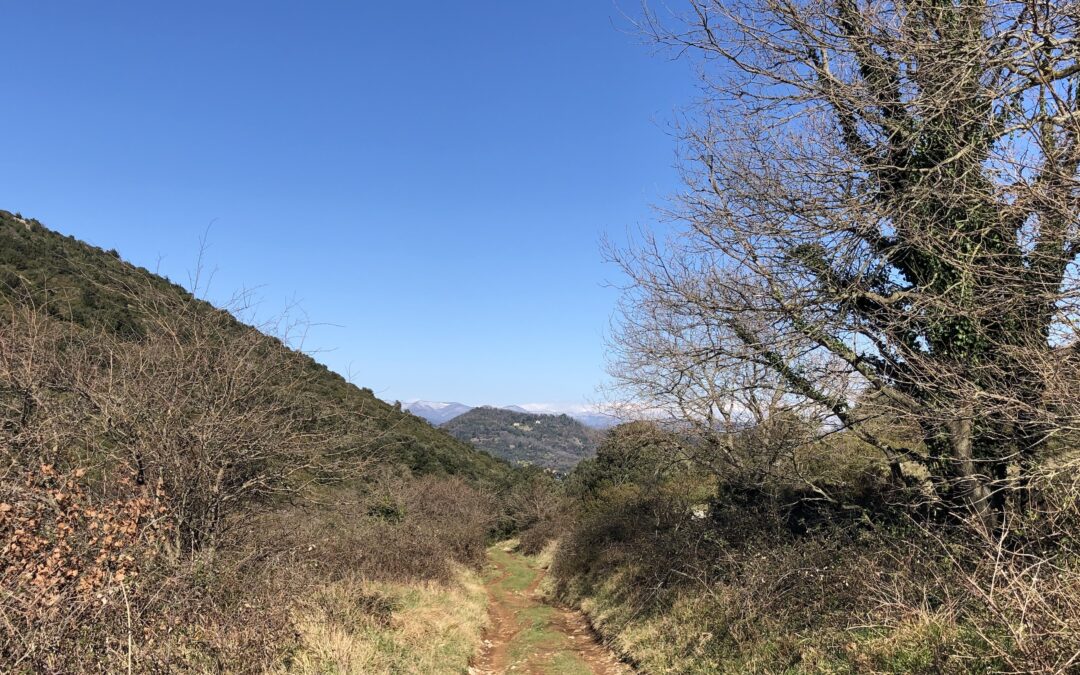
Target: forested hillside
[98,291]
[182,492]
[555,442]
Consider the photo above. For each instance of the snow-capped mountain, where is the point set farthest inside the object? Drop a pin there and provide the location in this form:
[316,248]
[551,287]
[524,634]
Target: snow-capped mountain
[588,415]
[436,412]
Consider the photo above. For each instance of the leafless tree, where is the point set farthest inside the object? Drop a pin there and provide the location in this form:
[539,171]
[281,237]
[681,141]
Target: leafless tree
[881,200]
[128,459]
[215,411]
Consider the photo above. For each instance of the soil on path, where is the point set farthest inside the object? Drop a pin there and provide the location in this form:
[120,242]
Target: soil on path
[527,635]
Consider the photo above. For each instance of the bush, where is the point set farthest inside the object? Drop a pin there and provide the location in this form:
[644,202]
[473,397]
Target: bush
[688,575]
[535,539]
[160,497]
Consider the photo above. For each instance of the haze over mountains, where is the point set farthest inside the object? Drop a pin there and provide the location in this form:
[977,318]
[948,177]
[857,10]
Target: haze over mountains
[435,412]
[438,412]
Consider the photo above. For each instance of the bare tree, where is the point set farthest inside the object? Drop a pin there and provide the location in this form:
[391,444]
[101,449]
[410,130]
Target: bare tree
[882,197]
[217,413]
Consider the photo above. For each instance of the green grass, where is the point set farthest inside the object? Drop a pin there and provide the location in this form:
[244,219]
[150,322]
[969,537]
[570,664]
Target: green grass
[567,664]
[521,574]
[535,634]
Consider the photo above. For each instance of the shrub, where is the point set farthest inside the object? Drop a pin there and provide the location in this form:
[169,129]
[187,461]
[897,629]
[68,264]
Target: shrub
[160,497]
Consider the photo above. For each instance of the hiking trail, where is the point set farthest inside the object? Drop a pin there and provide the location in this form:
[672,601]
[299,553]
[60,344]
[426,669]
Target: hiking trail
[528,635]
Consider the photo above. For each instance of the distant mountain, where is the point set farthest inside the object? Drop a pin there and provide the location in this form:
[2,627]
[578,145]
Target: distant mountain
[555,442]
[439,413]
[436,412]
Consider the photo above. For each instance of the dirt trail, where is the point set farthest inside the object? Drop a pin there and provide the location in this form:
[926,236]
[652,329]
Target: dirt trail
[527,635]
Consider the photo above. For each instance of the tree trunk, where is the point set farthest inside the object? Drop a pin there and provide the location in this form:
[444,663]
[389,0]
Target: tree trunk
[969,483]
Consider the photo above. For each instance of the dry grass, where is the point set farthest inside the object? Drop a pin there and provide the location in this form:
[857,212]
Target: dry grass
[774,585]
[166,502]
[361,626]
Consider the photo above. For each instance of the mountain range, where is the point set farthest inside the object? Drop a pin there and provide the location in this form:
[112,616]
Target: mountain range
[439,413]
[436,412]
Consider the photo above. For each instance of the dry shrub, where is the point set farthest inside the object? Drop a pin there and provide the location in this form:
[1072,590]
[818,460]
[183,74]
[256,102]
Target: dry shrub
[91,582]
[395,528]
[156,496]
[57,545]
[235,607]
[452,512]
[212,410]
[869,591]
[72,565]
[535,539]
[747,580]
[532,510]
[1014,594]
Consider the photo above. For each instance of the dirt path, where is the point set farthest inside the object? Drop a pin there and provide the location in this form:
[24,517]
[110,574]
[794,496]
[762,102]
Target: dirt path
[529,636]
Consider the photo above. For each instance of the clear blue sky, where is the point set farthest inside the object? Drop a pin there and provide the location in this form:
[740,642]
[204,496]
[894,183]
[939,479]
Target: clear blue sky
[430,180]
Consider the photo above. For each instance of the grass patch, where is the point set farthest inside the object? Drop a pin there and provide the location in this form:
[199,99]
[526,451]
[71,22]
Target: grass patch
[360,626]
[520,573]
[565,663]
[535,634]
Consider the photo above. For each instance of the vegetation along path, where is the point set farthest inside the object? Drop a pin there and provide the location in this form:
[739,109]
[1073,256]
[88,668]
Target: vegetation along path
[526,635]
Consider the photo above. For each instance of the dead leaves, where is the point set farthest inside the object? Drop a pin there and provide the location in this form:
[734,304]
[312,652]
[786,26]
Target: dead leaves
[58,543]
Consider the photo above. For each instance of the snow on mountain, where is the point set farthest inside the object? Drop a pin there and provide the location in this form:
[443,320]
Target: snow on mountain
[596,420]
[437,405]
[437,412]
[588,415]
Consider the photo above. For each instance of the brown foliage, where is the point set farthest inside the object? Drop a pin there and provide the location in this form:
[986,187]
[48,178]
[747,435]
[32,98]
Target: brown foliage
[55,544]
[162,496]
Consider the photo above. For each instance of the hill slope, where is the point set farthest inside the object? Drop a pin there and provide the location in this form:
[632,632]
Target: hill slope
[182,492]
[94,289]
[556,442]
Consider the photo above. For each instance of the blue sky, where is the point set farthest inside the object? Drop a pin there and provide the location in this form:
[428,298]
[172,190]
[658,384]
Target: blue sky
[428,180]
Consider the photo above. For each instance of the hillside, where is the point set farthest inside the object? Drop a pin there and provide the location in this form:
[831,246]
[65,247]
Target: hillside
[555,442]
[93,289]
[182,492]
